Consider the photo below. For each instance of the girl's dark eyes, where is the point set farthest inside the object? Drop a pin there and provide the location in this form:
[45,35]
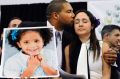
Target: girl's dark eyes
[26,42]
[36,41]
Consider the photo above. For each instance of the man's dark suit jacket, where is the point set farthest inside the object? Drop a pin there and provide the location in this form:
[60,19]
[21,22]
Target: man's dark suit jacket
[118,61]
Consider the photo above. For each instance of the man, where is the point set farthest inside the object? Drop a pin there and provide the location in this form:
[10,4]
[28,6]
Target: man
[60,15]
[111,36]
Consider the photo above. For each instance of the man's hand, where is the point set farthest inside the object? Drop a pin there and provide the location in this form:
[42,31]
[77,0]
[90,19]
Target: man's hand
[110,56]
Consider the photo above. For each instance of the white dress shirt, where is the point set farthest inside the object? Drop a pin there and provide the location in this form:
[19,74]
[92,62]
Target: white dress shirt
[94,66]
[58,46]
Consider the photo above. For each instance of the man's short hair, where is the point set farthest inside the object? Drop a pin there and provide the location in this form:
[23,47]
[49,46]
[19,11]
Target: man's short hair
[108,29]
[55,6]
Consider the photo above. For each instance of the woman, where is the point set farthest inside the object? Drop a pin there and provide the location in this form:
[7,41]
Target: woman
[85,51]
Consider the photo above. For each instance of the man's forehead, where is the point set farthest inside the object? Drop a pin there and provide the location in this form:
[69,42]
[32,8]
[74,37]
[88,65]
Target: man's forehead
[115,31]
[67,6]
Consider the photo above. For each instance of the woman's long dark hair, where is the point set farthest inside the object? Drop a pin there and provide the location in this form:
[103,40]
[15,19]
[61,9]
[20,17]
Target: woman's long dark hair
[76,45]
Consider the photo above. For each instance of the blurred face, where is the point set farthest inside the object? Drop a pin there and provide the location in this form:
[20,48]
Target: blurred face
[114,38]
[14,23]
[66,16]
[31,43]
[82,24]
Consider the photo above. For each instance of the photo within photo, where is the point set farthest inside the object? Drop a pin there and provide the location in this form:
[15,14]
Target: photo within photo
[29,52]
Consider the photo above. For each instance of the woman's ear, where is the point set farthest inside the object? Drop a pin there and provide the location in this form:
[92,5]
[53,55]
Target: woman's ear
[18,44]
[92,26]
